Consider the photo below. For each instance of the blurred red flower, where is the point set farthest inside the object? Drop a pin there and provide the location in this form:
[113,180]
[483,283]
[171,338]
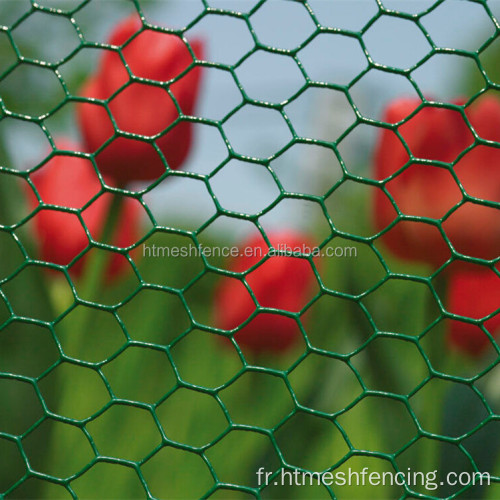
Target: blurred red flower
[145,109]
[474,295]
[425,189]
[283,282]
[71,182]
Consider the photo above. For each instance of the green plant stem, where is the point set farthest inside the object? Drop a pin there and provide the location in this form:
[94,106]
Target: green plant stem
[434,406]
[92,284]
[40,306]
[95,270]
[381,368]
[10,207]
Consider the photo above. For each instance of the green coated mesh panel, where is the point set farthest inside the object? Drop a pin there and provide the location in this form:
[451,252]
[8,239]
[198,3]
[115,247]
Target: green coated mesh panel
[139,399]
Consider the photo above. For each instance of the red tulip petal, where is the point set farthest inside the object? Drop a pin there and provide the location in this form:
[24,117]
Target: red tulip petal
[473,295]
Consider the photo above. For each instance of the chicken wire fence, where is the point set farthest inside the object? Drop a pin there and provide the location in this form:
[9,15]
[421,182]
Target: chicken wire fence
[20,314]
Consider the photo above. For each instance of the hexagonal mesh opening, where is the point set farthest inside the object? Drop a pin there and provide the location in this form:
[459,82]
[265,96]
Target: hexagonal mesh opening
[249,249]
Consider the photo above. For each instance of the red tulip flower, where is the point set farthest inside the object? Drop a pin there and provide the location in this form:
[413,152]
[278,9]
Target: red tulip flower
[425,189]
[144,109]
[474,295]
[71,182]
[284,282]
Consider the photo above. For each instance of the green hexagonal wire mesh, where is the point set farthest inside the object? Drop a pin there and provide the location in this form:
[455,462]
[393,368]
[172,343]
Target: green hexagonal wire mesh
[125,390]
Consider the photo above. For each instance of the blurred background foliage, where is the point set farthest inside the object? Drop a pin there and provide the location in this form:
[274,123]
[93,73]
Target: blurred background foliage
[145,351]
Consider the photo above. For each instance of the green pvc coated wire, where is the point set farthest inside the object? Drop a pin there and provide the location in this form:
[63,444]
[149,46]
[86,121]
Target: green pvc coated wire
[29,259]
